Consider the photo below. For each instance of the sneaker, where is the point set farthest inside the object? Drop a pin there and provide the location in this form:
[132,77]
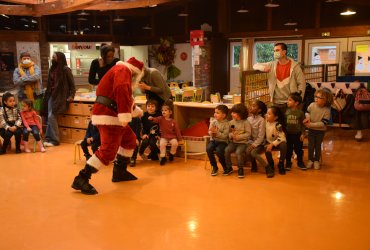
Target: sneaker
[18,151]
[43,150]
[48,144]
[358,136]
[170,157]
[254,167]
[316,165]
[240,173]
[288,166]
[162,161]
[301,166]
[309,164]
[281,168]
[132,162]
[214,171]
[27,150]
[227,171]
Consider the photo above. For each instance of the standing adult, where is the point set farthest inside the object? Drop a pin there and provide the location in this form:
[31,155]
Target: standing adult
[59,92]
[101,65]
[27,78]
[112,111]
[155,86]
[285,76]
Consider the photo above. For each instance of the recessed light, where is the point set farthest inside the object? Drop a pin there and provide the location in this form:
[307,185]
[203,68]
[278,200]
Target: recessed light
[348,12]
[271,4]
[242,11]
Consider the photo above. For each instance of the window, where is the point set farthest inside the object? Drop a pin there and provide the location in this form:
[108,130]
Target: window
[236,55]
[264,51]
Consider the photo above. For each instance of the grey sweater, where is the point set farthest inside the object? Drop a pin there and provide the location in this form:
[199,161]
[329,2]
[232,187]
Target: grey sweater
[258,129]
[243,131]
[319,116]
[222,133]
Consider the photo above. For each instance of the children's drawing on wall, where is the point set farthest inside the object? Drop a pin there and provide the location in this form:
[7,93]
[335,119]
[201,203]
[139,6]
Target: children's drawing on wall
[316,58]
[360,63]
[362,59]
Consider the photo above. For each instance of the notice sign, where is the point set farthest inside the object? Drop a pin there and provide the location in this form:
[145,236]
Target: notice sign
[81,46]
[197,38]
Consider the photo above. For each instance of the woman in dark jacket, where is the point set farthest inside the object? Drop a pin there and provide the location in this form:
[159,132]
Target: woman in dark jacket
[59,92]
[101,65]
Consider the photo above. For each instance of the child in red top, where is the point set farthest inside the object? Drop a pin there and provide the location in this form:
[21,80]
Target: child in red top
[31,124]
[170,132]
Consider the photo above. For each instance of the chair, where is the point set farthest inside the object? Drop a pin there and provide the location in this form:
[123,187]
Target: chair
[188,96]
[215,98]
[174,84]
[196,146]
[175,95]
[198,95]
[77,145]
[34,140]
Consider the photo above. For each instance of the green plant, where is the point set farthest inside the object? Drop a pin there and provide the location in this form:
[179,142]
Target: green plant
[165,55]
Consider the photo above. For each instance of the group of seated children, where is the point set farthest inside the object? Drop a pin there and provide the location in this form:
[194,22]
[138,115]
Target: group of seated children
[13,122]
[265,129]
[154,126]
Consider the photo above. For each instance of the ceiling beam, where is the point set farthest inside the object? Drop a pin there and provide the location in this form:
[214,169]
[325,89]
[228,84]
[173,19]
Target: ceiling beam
[114,5]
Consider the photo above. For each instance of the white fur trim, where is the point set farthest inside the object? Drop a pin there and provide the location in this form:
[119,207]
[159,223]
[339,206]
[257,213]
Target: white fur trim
[95,162]
[137,112]
[137,74]
[105,120]
[125,152]
[124,117]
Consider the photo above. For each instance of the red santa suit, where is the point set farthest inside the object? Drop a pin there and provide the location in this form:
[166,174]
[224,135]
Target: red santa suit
[116,137]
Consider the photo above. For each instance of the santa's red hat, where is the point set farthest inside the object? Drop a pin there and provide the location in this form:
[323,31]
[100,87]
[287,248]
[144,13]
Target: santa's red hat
[136,63]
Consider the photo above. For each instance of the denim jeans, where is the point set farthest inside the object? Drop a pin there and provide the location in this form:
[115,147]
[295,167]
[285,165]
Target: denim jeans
[52,129]
[35,132]
[315,138]
[239,149]
[219,147]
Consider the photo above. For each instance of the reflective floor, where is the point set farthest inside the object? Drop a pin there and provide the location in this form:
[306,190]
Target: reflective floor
[180,206]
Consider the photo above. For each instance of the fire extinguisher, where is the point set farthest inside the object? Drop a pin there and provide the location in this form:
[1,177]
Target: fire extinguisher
[78,63]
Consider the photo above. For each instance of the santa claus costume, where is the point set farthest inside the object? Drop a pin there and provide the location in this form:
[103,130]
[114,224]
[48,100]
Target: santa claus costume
[112,111]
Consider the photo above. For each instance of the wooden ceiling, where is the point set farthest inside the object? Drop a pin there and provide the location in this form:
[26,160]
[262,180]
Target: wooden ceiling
[51,7]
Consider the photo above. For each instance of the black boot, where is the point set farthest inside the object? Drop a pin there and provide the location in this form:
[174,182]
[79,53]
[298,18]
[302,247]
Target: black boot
[281,168]
[87,156]
[120,172]
[4,147]
[81,181]
[170,157]
[254,166]
[163,161]
[270,172]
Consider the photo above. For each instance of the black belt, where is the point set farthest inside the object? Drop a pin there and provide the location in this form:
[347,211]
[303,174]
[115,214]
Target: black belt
[107,102]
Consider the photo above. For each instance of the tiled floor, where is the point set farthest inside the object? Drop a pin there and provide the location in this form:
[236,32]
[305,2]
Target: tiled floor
[180,206]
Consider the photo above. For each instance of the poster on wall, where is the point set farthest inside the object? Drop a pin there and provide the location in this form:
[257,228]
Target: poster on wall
[6,61]
[31,47]
[348,63]
[362,59]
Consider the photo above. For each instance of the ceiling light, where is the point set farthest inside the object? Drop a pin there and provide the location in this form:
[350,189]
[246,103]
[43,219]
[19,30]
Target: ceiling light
[183,14]
[290,23]
[348,12]
[118,19]
[242,10]
[33,21]
[271,4]
[82,19]
[147,27]
[4,15]
[83,13]
[6,27]
[332,1]
[153,5]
